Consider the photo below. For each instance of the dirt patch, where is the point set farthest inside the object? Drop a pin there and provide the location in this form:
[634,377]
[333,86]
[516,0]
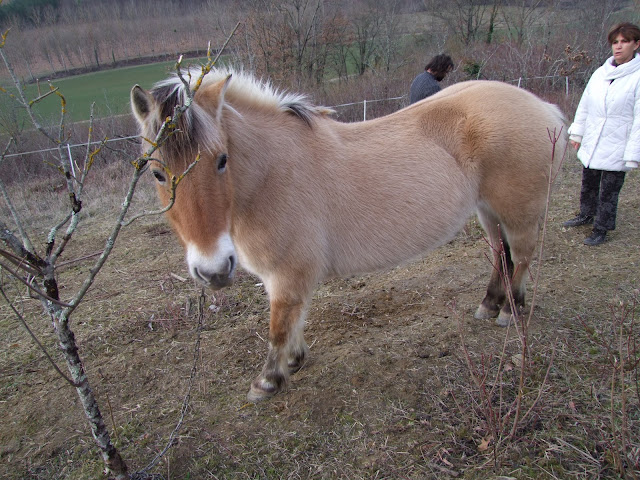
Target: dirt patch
[386,392]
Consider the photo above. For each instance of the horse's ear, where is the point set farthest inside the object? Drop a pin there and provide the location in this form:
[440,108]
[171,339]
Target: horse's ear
[223,90]
[141,103]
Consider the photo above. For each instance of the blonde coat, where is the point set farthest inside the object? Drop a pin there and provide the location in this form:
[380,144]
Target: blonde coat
[303,198]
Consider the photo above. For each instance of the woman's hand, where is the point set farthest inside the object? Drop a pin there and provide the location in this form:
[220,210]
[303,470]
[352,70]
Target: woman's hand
[574,144]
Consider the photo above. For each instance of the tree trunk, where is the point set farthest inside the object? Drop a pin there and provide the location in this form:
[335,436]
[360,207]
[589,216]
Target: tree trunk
[112,459]
[82,57]
[29,69]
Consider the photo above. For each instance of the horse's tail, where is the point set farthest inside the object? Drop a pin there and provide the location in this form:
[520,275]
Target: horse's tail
[558,136]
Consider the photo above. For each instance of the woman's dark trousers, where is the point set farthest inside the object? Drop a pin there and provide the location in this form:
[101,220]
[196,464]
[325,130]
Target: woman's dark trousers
[599,196]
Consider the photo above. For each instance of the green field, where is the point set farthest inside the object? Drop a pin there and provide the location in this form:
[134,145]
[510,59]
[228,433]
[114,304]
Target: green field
[109,90]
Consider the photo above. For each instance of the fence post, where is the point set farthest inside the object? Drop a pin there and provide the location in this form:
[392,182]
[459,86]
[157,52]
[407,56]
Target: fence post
[364,110]
[73,170]
[566,85]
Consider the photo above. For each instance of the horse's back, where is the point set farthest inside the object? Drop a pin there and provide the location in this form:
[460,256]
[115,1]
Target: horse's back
[496,104]
[505,137]
[496,127]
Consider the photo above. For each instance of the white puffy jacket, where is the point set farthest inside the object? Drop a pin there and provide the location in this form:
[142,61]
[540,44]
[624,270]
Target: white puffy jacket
[607,121]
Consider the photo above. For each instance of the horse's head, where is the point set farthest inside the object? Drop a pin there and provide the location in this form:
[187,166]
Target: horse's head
[201,212]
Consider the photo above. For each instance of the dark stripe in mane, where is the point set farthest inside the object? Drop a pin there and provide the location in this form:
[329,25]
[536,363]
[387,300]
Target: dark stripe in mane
[303,111]
[168,98]
[195,129]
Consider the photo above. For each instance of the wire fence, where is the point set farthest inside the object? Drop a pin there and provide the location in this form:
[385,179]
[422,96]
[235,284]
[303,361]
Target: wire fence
[366,104]
[345,111]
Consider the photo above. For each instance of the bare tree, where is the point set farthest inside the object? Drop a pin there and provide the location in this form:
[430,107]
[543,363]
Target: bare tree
[493,16]
[39,271]
[366,27]
[286,40]
[267,39]
[466,18]
[389,38]
[303,18]
[525,17]
[337,49]
[595,18]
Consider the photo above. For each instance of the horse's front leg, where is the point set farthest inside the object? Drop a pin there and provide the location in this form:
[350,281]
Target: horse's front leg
[287,349]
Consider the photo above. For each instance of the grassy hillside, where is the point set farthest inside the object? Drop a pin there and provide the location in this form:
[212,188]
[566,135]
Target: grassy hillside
[109,90]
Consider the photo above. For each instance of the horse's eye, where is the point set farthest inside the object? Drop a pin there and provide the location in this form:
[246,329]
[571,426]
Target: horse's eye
[159,175]
[222,162]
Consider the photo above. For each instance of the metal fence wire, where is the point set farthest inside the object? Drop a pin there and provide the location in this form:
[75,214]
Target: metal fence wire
[357,111]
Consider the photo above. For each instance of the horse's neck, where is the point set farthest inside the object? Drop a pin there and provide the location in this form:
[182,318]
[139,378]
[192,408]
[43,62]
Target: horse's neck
[263,151]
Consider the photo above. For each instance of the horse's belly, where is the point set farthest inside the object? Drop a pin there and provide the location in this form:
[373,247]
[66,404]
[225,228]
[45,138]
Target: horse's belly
[387,241]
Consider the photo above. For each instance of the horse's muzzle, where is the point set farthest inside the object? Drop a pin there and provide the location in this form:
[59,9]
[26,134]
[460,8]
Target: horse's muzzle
[216,280]
[220,281]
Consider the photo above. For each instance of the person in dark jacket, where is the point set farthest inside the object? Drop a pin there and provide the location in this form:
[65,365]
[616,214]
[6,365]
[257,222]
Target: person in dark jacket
[428,82]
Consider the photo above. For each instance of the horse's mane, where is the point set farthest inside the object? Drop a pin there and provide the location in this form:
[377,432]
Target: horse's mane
[195,129]
[172,92]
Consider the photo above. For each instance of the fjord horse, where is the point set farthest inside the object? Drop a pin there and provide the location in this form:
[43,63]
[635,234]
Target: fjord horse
[296,197]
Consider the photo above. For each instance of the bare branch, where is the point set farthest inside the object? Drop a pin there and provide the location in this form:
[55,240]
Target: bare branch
[14,213]
[17,246]
[554,136]
[52,91]
[21,263]
[39,292]
[21,98]
[51,238]
[87,164]
[172,195]
[35,339]
[192,376]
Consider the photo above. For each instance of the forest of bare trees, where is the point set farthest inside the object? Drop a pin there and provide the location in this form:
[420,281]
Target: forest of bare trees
[309,41]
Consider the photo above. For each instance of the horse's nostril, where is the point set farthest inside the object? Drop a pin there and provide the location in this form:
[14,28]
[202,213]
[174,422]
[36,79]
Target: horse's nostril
[232,263]
[202,276]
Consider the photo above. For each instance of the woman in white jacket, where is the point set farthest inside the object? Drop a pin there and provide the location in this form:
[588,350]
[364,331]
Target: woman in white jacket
[606,132]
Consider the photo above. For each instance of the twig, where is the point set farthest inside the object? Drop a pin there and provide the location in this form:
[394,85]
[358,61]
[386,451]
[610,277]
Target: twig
[583,453]
[553,137]
[113,421]
[172,196]
[20,262]
[544,381]
[39,292]
[177,277]
[52,91]
[74,195]
[187,397]
[79,259]
[21,98]
[14,213]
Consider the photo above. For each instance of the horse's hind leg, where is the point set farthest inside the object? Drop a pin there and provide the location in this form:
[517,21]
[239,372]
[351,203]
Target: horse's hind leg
[495,297]
[287,348]
[522,247]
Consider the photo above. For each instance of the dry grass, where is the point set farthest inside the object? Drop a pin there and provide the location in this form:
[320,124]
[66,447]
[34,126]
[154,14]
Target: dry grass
[387,392]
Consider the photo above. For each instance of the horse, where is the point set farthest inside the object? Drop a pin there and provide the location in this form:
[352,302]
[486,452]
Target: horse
[296,197]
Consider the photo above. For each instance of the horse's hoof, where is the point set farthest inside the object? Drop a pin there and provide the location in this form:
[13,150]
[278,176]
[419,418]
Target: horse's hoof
[296,363]
[483,313]
[504,319]
[261,389]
